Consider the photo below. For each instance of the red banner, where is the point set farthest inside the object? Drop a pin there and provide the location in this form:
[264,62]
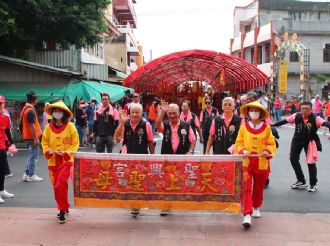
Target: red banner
[158,181]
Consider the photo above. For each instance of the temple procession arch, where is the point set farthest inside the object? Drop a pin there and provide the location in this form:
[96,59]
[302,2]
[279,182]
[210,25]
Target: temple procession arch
[279,66]
[223,72]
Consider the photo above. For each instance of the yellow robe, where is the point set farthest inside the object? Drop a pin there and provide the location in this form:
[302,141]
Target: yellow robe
[66,140]
[256,141]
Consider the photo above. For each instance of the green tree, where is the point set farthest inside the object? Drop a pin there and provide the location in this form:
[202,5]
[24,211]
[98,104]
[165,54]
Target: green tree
[26,24]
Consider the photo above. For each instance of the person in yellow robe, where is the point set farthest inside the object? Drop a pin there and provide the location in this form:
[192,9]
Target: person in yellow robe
[59,141]
[256,142]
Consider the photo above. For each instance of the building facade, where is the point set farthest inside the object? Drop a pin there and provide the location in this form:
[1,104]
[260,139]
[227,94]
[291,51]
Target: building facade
[109,60]
[259,24]
[121,51]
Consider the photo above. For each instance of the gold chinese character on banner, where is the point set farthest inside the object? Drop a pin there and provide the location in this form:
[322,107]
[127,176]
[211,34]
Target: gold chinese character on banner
[173,181]
[206,174]
[103,177]
[103,180]
[135,178]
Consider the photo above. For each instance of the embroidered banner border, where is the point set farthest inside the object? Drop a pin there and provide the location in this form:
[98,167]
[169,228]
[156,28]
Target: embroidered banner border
[158,181]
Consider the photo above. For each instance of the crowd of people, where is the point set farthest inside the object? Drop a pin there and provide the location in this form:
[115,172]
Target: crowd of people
[240,126]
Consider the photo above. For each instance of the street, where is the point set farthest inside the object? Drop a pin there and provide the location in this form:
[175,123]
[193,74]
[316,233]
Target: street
[278,198]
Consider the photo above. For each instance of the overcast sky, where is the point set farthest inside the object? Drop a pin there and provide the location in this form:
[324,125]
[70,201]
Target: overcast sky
[175,25]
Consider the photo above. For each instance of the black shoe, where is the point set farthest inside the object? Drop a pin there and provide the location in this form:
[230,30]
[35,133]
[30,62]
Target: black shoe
[66,212]
[164,212]
[135,212]
[61,218]
[267,184]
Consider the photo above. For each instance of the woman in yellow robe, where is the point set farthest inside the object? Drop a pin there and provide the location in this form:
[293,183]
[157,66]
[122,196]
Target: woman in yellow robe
[256,142]
[59,141]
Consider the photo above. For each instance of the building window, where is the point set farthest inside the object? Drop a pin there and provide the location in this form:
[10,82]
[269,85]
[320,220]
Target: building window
[294,57]
[252,55]
[267,52]
[260,54]
[326,53]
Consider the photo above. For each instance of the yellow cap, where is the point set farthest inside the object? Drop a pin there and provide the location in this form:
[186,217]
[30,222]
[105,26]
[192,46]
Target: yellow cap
[49,108]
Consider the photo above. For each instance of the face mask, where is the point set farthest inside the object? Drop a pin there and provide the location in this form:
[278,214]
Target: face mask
[254,115]
[58,115]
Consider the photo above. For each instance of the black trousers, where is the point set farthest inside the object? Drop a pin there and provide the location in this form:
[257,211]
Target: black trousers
[206,138]
[3,164]
[296,148]
[102,142]
[7,169]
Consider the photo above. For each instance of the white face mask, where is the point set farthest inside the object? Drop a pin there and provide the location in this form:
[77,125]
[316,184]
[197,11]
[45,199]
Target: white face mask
[254,115]
[57,115]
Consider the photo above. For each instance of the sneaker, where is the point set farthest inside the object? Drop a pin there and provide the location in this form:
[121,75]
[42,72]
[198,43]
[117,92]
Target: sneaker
[66,212]
[9,175]
[164,212]
[299,185]
[1,200]
[61,218]
[256,213]
[25,176]
[34,178]
[5,194]
[135,212]
[247,221]
[312,188]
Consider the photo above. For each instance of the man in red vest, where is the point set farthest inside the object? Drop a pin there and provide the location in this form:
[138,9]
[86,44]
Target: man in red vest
[31,133]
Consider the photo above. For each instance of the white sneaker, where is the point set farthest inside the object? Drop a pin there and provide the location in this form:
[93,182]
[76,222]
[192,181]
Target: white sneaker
[247,221]
[256,213]
[25,176]
[9,175]
[312,188]
[34,178]
[5,194]
[1,200]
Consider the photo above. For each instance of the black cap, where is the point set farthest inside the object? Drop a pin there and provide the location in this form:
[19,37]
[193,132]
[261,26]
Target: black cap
[31,96]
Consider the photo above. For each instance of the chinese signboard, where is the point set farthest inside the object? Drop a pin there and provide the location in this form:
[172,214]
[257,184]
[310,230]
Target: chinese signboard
[283,77]
[158,181]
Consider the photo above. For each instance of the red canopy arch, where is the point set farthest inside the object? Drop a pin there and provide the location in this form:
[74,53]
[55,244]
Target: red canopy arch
[222,71]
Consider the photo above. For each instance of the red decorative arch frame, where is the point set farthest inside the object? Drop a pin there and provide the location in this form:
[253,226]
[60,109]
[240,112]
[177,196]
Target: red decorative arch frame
[224,72]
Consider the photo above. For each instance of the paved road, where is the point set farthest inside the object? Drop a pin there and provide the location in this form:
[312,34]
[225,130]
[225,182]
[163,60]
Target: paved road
[278,198]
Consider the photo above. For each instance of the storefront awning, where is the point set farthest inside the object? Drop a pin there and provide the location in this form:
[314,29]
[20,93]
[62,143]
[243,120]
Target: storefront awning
[85,90]
[76,89]
[16,92]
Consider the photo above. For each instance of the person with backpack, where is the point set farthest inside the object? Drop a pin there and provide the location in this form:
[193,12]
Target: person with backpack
[31,133]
